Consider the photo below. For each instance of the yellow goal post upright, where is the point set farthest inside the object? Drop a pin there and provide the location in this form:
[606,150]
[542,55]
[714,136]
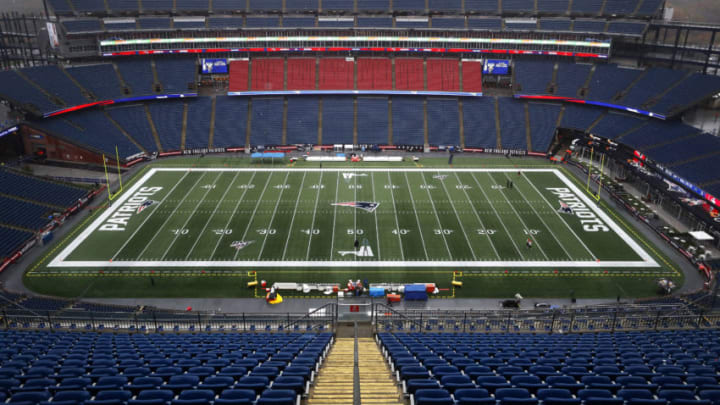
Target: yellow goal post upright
[591,166]
[111,195]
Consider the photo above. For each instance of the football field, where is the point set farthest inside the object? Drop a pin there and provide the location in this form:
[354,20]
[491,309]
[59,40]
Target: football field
[307,224]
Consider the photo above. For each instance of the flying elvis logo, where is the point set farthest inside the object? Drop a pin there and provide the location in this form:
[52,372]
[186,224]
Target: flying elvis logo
[134,205]
[363,205]
[241,244]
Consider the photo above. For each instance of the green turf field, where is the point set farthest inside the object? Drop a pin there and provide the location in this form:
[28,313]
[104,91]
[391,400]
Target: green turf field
[207,231]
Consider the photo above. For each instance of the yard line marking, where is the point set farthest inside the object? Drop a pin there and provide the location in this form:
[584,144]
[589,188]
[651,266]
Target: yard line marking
[532,207]
[187,220]
[219,202]
[507,231]
[519,217]
[312,225]
[377,230]
[561,217]
[412,200]
[397,222]
[148,217]
[477,216]
[168,217]
[272,218]
[467,239]
[437,217]
[237,205]
[257,204]
[292,221]
[332,241]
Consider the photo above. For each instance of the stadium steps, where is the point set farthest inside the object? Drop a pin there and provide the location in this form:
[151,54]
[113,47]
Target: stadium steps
[656,98]
[249,122]
[497,125]
[157,85]
[625,92]
[552,86]
[639,4]
[528,137]
[377,385]
[335,382]
[211,138]
[674,140]
[152,128]
[125,87]
[602,10]
[425,80]
[124,132]
[317,75]
[55,100]
[107,7]
[72,7]
[87,94]
[597,121]
[183,131]
[631,130]
[15,227]
[390,107]
[320,121]
[583,91]
[355,121]
[27,200]
[283,139]
[426,141]
[461,117]
[694,158]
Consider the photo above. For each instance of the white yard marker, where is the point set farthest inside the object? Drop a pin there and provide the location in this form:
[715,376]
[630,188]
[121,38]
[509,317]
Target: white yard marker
[397,222]
[187,220]
[467,239]
[148,216]
[561,218]
[312,225]
[437,217]
[480,221]
[292,221]
[272,218]
[507,231]
[220,201]
[250,218]
[417,218]
[237,205]
[160,228]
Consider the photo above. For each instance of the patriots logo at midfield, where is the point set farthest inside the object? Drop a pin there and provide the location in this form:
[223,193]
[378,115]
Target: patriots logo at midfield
[363,205]
[144,205]
[240,244]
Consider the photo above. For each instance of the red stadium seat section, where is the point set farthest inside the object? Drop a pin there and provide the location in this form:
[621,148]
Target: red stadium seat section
[301,74]
[472,76]
[409,74]
[268,74]
[443,75]
[337,74]
[374,74]
[239,75]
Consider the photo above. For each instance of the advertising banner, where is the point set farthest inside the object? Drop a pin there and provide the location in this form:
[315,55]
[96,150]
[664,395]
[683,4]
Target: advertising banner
[214,66]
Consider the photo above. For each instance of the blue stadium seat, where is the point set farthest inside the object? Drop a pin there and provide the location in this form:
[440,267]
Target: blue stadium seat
[557,396]
[277,397]
[433,397]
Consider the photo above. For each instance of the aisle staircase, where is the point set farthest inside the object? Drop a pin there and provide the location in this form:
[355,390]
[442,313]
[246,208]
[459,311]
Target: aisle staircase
[335,381]
[343,373]
[377,385]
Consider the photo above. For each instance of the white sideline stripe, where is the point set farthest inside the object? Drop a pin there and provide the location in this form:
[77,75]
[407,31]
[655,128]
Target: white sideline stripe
[59,260]
[648,260]
[351,263]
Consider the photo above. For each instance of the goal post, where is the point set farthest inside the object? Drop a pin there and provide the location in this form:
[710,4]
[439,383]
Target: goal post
[111,195]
